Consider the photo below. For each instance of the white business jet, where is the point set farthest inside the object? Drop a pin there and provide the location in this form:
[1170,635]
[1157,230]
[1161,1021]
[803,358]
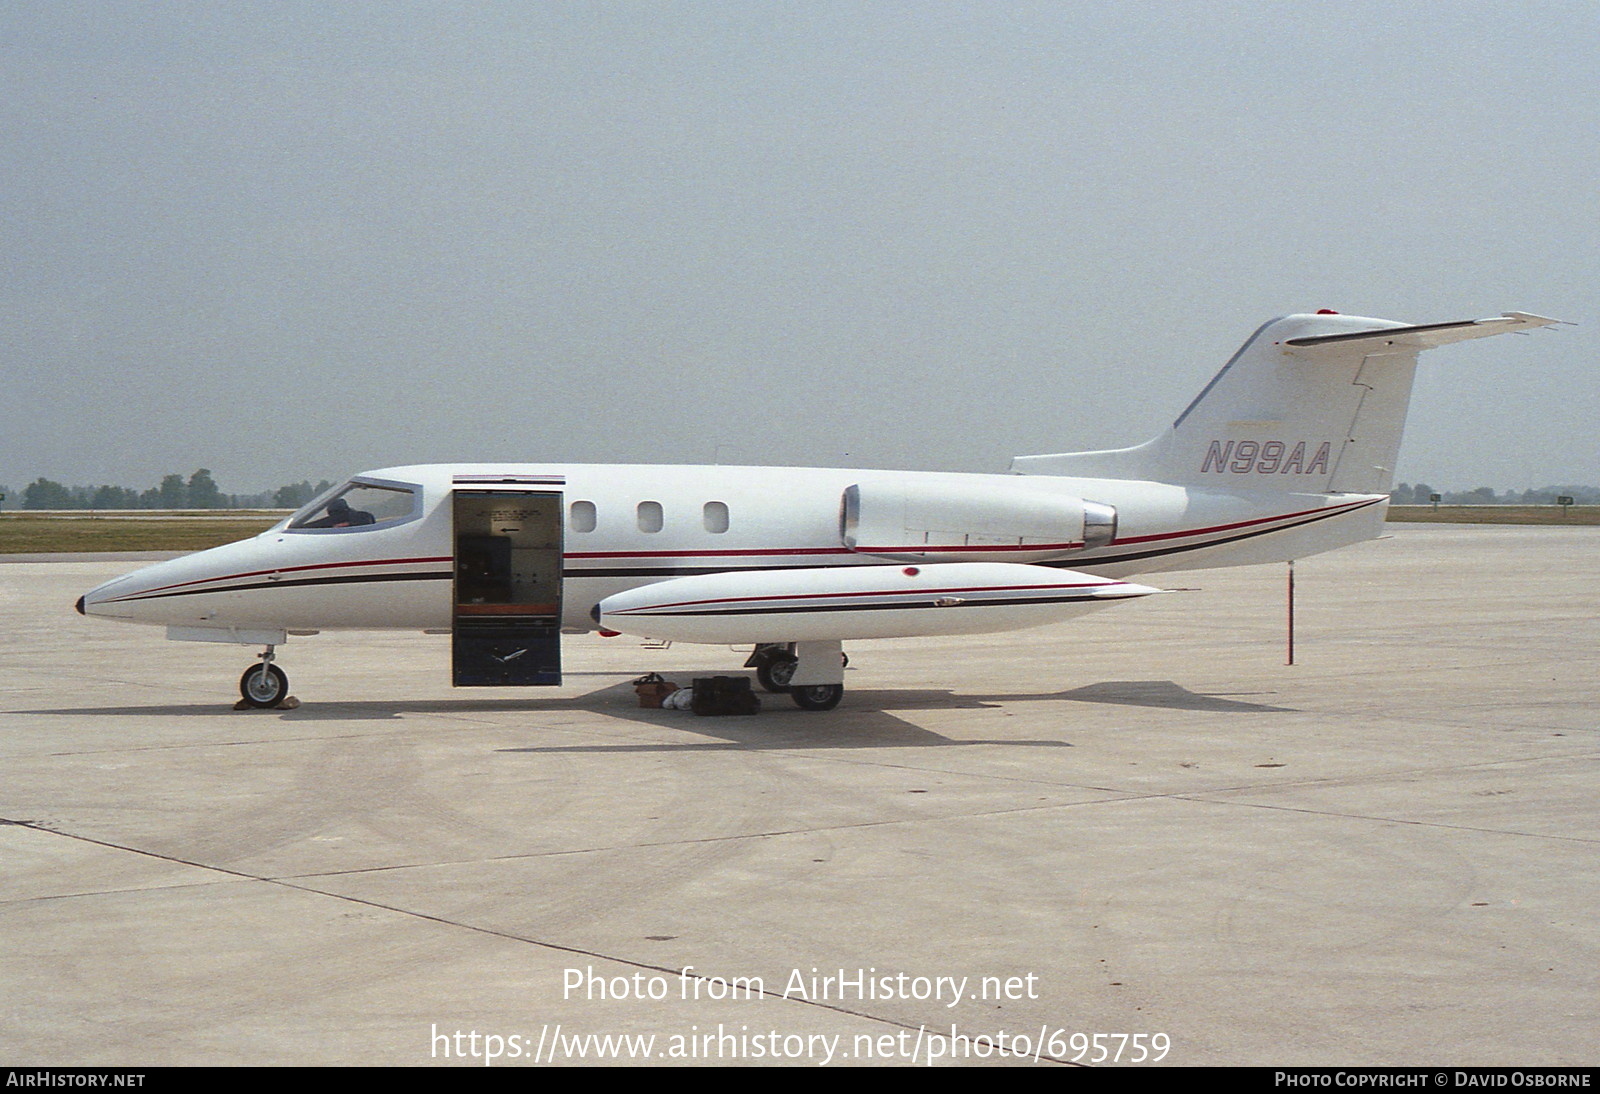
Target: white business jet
[1286,452]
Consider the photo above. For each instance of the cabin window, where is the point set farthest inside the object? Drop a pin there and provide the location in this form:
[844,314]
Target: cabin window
[650,519]
[583,516]
[715,516]
[357,506]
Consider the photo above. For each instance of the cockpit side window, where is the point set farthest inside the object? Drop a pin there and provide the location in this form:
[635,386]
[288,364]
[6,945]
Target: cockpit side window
[358,505]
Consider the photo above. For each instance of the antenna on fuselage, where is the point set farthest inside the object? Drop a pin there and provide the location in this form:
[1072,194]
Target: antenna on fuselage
[1290,592]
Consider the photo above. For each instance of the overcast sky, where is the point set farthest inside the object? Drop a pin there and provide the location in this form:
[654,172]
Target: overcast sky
[299,240]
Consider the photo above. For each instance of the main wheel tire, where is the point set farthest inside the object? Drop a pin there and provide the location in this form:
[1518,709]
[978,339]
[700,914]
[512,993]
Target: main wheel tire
[775,672]
[264,685]
[817,696]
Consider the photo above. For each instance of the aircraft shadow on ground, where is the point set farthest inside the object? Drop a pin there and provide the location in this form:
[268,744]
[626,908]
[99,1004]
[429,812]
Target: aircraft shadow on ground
[781,725]
[866,720]
[1165,694]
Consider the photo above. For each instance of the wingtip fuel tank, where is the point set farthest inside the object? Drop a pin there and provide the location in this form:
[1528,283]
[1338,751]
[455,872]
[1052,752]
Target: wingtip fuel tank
[859,602]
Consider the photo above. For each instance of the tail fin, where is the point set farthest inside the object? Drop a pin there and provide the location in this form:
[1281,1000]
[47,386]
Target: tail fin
[1310,404]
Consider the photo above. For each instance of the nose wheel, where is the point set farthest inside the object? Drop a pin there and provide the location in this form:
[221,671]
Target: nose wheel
[264,685]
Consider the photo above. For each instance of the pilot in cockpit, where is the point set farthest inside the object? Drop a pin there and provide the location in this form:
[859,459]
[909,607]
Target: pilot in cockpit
[340,515]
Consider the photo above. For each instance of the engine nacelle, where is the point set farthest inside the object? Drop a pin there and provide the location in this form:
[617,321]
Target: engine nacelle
[947,521]
[853,602]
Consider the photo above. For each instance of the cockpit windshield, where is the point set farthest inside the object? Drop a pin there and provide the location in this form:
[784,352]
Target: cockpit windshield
[358,505]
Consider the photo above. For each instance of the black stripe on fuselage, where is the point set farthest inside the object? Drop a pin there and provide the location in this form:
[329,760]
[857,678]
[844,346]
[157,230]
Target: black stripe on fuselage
[285,583]
[1158,552]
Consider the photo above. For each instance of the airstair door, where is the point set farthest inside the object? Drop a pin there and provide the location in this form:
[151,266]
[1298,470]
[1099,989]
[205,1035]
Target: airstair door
[506,622]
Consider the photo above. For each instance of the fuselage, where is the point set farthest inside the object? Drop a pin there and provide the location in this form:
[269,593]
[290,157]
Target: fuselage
[626,526]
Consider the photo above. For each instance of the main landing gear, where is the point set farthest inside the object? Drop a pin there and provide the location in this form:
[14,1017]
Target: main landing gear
[817,696]
[264,685]
[775,664]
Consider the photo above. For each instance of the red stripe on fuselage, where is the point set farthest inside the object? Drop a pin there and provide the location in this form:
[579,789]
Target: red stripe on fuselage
[751,553]
[279,570]
[1326,510]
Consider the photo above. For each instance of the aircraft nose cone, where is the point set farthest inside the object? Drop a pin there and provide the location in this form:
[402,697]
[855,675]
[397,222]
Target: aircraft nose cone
[79,606]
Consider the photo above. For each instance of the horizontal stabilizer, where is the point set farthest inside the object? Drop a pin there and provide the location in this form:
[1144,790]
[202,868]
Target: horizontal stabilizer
[1426,336]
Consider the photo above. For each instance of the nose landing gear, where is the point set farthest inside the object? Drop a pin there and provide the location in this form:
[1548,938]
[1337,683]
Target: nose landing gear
[264,685]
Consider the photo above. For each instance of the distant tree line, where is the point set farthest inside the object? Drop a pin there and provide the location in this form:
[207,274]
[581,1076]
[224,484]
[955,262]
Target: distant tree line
[199,491]
[1422,494]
